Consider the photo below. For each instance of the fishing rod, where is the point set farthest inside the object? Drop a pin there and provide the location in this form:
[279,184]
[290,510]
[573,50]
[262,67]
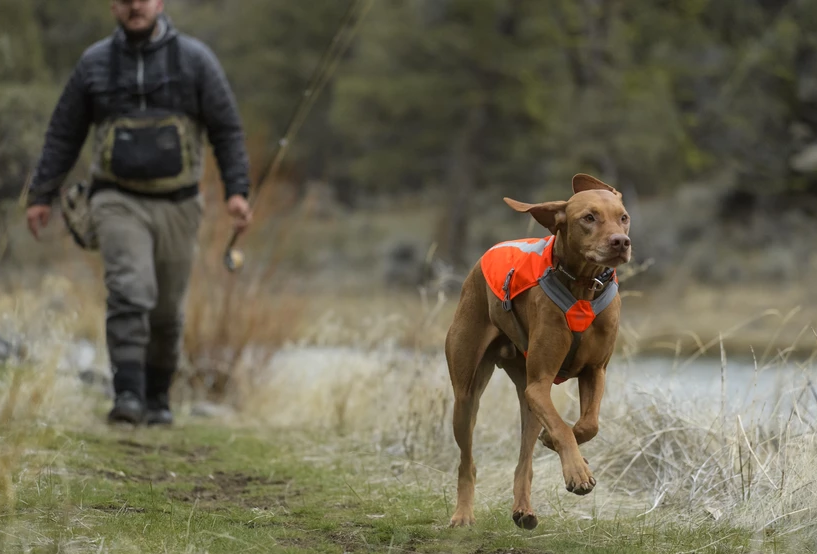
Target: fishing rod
[330,59]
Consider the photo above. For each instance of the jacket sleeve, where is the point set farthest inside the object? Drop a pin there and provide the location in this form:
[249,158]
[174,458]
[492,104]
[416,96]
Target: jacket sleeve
[64,138]
[223,123]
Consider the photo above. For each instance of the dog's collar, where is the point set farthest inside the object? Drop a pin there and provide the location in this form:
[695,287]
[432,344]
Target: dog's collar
[594,283]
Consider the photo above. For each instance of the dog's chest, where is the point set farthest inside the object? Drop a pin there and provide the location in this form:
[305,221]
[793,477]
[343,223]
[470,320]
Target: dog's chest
[596,345]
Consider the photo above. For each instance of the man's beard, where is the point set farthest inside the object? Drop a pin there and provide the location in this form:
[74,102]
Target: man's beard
[139,36]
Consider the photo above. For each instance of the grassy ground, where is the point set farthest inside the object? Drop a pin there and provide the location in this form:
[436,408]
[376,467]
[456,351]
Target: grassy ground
[206,488]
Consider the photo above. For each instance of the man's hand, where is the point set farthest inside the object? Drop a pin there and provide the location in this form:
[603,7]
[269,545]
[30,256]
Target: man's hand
[239,210]
[37,217]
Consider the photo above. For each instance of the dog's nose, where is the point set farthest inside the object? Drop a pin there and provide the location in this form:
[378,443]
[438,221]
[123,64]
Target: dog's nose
[620,242]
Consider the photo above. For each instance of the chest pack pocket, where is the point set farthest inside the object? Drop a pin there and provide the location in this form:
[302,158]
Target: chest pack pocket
[148,149]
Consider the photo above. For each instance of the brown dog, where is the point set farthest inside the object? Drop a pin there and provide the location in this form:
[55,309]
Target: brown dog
[552,316]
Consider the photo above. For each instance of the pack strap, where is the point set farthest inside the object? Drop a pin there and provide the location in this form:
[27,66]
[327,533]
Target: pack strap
[113,65]
[175,71]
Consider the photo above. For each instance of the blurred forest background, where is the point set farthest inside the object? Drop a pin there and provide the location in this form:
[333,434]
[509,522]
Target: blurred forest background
[703,112]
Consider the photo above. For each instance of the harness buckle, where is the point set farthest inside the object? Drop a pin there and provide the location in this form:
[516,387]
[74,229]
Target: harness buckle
[597,284]
[506,302]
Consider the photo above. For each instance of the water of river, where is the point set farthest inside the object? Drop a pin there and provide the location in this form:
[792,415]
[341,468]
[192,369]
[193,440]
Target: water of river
[743,387]
[740,385]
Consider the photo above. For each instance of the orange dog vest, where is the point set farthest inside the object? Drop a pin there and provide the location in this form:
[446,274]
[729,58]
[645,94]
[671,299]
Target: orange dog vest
[512,267]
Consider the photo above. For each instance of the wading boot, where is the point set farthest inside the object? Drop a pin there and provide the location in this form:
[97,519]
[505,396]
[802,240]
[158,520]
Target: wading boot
[158,411]
[127,408]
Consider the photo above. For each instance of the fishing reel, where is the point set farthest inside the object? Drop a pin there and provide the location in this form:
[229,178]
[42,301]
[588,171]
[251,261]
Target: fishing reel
[234,260]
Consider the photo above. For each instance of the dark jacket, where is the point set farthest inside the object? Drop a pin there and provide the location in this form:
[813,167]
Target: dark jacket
[144,78]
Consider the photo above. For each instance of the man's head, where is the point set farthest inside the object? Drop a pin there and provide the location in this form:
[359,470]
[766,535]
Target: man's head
[594,222]
[137,17]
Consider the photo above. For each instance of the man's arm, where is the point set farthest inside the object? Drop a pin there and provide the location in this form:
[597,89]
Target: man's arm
[64,139]
[223,123]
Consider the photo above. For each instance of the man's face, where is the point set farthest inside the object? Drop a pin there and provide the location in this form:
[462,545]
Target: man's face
[137,16]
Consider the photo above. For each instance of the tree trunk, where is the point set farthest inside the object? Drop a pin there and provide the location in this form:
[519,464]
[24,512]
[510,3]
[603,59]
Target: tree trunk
[453,235]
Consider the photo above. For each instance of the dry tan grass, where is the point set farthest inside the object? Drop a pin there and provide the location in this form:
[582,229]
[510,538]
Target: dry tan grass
[38,394]
[231,314]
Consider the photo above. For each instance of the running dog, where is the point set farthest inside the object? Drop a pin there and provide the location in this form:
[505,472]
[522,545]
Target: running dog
[545,310]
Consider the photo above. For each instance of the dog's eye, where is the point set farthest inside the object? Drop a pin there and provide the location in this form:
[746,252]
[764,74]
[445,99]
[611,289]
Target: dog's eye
[625,218]
[589,218]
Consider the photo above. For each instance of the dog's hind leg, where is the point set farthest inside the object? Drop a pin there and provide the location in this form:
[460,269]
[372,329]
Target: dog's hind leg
[466,406]
[470,366]
[523,514]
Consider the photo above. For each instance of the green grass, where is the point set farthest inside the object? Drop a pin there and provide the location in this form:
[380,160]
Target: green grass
[208,488]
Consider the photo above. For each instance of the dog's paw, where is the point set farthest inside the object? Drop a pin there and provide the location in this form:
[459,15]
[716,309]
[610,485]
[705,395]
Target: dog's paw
[462,520]
[585,487]
[525,519]
[579,479]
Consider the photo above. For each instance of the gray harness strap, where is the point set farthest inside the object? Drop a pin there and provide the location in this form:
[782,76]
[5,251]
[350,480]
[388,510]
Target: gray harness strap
[563,298]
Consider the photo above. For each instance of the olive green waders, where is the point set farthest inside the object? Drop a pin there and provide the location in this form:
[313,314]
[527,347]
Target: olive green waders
[147,247]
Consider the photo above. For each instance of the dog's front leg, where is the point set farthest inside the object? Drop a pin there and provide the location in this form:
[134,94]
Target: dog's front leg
[577,475]
[591,389]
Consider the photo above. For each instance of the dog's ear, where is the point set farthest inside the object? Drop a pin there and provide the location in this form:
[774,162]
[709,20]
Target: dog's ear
[583,182]
[551,215]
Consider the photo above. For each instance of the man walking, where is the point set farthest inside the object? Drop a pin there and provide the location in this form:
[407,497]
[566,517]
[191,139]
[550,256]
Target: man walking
[152,94]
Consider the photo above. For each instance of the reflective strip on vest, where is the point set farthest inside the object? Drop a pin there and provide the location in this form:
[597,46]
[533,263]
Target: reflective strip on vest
[528,258]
